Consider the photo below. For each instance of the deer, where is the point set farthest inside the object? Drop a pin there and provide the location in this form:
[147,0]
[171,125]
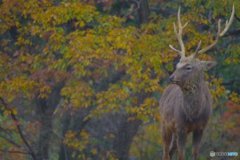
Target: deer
[186,103]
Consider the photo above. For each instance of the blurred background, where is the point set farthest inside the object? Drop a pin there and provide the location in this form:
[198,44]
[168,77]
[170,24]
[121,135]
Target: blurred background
[81,80]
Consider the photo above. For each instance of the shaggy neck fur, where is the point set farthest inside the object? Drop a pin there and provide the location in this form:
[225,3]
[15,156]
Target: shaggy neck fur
[193,97]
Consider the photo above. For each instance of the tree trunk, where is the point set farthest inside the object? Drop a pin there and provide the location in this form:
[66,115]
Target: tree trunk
[45,110]
[63,152]
[143,11]
[124,138]
[44,137]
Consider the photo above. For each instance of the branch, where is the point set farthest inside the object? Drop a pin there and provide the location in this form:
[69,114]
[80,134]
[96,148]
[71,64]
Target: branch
[10,141]
[7,131]
[20,132]
[15,152]
[134,8]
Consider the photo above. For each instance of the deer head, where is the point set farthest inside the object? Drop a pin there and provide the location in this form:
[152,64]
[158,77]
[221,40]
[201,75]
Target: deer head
[190,69]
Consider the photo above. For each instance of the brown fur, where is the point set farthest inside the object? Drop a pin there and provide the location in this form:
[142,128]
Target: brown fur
[185,107]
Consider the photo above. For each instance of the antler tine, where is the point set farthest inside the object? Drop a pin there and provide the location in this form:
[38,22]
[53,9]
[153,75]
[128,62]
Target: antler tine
[220,33]
[179,17]
[180,30]
[198,47]
[178,33]
[228,23]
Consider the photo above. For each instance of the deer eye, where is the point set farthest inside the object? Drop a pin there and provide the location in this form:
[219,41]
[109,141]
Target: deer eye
[189,68]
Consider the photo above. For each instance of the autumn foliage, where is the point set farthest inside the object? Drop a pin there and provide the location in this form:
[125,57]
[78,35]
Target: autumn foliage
[82,79]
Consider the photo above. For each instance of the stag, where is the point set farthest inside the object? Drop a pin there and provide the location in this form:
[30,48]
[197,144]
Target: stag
[185,104]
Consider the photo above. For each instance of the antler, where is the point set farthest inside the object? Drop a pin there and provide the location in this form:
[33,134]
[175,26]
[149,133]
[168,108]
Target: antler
[179,35]
[219,33]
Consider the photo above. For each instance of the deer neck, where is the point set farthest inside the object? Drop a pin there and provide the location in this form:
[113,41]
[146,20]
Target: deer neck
[193,97]
[194,87]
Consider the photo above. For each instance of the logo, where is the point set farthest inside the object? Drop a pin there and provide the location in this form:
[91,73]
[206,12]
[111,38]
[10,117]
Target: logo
[223,154]
[212,154]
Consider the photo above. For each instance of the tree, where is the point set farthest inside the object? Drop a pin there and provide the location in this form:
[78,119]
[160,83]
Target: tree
[81,80]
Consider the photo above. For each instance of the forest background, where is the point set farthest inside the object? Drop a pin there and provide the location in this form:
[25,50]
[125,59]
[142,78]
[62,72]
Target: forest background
[82,79]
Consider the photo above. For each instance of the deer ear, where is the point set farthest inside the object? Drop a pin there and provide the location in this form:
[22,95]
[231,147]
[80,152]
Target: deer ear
[206,65]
